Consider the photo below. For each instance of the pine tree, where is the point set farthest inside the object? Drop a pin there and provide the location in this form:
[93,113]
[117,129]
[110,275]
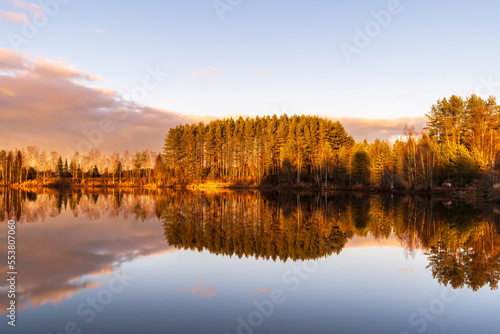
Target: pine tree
[463,168]
[3,167]
[65,168]
[360,167]
[59,167]
[95,172]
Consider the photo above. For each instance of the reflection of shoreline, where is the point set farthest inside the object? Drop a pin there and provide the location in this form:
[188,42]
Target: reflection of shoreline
[94,233]
[292,227]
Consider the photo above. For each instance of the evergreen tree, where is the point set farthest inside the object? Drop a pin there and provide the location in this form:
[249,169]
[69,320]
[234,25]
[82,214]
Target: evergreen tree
[65,168]
[463,168]
[360,167]
[60,167]
[95,172]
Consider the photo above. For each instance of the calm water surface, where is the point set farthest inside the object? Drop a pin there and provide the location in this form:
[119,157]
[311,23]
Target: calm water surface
[249,262]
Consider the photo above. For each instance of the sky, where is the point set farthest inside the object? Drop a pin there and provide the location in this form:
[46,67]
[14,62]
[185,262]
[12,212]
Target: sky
[117,75]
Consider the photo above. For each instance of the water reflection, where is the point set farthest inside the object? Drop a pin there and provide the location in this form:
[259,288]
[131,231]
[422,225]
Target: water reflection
[69,242]
[252,225]
[462,242]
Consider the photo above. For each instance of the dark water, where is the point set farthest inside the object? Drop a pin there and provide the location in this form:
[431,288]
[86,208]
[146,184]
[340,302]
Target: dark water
[249,262]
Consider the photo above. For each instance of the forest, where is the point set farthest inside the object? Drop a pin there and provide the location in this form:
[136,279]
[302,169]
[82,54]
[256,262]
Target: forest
[459,147]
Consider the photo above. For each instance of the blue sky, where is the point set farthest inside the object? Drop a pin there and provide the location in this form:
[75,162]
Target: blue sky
[270,57]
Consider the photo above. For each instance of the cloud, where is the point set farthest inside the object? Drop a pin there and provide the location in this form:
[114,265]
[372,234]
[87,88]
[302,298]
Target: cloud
[11,61]
[363,242]
[68,260]
[99,31]
[49,103]
[384,129]
[260,291]
[203,291]
[404,94]
[265,74]
[13,17]
[406,271]
[31,8]
[207,72]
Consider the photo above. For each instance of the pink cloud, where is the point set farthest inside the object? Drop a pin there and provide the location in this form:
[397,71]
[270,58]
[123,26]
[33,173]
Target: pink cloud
[260,291]
[48,103]
[404,94]
[208,72]
[362,242]
[204,291]
[265,74]
[361,128]
[12,61]
[13,17]
[63,264]
[406,271]
[32,8]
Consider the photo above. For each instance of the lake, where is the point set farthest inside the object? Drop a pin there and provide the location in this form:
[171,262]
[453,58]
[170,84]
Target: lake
[175,261]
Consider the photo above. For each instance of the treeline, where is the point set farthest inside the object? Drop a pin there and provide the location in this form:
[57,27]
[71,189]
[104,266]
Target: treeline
[33,164]
[459,145]
[260,150]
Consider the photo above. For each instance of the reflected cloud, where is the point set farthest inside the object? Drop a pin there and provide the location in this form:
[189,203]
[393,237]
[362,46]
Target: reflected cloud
[363,242]
[72,241]
[406,271]
[260,291]
[264,74]
[66,254]
[462,244]
[203,291]
[404,94]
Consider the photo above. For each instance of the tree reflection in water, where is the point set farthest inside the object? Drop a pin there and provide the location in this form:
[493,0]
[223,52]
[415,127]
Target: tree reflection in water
[462,241]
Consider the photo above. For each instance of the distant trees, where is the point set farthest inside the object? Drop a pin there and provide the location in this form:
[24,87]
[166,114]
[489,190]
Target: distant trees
[360,167]
[460,145]
[461,140]
[59,167]
[463,168]
[472,122]
[19,166]
[263,149]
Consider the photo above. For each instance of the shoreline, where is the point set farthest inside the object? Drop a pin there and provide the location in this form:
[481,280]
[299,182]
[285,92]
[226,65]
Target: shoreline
[470,194]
